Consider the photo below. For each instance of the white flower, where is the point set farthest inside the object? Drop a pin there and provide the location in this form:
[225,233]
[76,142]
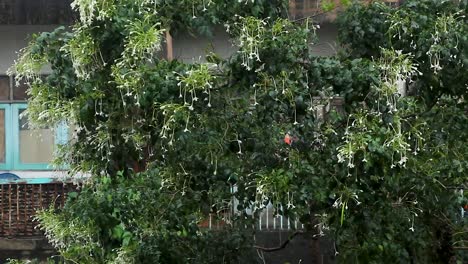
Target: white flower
[403,160]
[291,205]
[340,158]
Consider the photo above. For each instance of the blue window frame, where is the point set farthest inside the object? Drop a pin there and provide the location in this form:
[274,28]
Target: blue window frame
[6,137]
[23,149]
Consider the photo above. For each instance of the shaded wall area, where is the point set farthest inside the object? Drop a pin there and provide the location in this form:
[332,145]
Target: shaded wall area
[35,12]
[30,248]
[15,37]
[303,249]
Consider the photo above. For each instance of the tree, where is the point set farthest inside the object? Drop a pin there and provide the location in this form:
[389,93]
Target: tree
[166,142]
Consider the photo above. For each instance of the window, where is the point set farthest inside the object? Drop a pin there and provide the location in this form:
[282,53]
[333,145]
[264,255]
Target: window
[4,88]
[21,147]
[10,92]
[19,92]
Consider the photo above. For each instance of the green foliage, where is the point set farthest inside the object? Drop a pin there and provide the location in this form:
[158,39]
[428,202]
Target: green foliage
[198,16]
[434,32]
[138,220]
[168,143]
[34,261]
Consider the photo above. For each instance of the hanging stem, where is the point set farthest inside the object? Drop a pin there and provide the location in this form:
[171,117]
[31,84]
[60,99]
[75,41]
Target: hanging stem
[169,46]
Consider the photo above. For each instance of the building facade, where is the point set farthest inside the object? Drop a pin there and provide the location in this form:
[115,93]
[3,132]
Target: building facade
[26,152]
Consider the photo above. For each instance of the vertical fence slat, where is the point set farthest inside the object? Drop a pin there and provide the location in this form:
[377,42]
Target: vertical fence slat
[20,201]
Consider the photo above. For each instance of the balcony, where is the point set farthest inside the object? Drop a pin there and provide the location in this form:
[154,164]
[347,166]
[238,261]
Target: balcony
[299,9]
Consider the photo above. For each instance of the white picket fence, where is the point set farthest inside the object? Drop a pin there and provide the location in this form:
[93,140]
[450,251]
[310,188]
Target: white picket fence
[268,219]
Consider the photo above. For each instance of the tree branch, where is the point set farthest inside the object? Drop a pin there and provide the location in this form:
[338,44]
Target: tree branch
[460,248]
[282,246]
[317,14]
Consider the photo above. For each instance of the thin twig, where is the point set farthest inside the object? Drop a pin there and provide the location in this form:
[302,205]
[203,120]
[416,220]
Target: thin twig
[317,14]
[282,246]
[460,248]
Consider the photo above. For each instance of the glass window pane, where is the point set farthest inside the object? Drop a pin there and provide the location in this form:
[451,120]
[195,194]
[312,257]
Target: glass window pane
[72,133]
[4,88]
[19,91]
[2,135]
[35,145]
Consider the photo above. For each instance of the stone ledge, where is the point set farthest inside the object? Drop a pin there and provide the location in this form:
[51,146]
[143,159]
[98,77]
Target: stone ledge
[24,244]
[25,255]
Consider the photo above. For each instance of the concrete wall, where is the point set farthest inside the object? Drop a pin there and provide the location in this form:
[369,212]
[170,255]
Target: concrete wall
[35,12]
[301,250]
[32,174]
[187,48]
[30,248]
[192,49]
[13,38]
